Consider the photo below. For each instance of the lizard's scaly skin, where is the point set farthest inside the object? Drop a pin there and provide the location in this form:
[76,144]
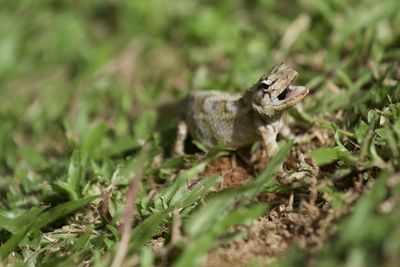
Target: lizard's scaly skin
[215,115]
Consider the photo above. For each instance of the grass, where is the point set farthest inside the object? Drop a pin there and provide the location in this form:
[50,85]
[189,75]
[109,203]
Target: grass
[81,84]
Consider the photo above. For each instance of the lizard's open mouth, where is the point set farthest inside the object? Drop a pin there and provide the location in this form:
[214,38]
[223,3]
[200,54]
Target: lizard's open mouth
[290,96]
[291,91]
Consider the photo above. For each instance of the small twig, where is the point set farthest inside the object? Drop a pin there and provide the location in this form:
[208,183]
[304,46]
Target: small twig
[129,209]
[176,227]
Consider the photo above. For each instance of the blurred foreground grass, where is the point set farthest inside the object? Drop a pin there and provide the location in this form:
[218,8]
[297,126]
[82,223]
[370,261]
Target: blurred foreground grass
[80,83]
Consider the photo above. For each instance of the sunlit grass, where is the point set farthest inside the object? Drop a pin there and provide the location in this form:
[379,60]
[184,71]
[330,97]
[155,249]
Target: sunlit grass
[80,88]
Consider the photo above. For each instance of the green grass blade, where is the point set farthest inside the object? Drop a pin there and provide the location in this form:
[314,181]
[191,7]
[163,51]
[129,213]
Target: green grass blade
[62,210]
[148,228]
[14,225]
[12,243]
[74,175]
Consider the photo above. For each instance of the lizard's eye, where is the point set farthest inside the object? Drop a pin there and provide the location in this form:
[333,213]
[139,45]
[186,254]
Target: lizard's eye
[265,84]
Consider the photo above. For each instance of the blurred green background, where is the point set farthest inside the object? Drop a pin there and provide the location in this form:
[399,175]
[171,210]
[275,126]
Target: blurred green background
[80,83]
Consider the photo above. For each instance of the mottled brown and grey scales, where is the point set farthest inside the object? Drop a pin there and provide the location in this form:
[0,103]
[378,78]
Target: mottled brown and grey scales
[239,120]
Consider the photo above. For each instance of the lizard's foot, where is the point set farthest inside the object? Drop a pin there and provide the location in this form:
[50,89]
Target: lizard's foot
[182,132]
[245,156]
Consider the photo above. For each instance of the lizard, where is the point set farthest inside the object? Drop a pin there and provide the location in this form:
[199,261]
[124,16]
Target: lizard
[239,120]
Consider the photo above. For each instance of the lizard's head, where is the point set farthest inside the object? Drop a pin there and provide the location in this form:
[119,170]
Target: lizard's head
[275,92]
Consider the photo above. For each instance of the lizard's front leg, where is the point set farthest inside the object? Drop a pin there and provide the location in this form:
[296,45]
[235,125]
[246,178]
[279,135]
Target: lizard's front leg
[268,135]
[182,132]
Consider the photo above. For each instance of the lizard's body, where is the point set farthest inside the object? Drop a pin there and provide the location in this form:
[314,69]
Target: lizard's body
[239,120]
[215,116]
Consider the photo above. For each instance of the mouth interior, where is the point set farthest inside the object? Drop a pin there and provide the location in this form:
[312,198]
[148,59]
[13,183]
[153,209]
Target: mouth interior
[282,96]
[290,92]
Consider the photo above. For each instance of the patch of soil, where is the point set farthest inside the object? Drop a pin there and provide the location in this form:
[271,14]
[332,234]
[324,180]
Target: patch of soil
[233,171]
[303,216]
[298,221]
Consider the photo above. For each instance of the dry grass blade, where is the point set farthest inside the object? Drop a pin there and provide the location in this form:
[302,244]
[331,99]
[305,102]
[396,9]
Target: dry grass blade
[129,209]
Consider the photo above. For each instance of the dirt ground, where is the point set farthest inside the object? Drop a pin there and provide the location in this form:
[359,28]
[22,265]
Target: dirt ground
[301,217]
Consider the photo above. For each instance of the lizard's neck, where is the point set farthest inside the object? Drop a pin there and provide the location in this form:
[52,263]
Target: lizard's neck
[247,98]
[246,101]
[265,112]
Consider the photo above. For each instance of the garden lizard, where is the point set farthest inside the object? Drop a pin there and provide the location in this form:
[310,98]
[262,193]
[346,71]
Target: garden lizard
[239,120]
